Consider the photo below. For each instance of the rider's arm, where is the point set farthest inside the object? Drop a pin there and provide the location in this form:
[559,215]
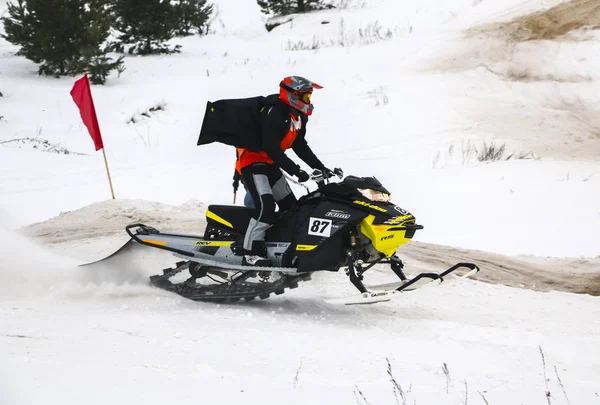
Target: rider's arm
[304,151]
[274,128]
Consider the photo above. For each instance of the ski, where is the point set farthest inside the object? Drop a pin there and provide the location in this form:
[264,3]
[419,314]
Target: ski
[412,284]
[386,292]
[364,298]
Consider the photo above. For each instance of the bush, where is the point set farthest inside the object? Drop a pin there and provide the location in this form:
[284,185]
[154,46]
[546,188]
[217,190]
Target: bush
[100,66]
[492,153]
[285,7]
[372,33]
[40,144]
[147,112]
[469,153]
[192,16]
[146,25]
[63,36]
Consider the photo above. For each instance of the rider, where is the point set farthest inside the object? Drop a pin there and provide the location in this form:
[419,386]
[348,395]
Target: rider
[283,121]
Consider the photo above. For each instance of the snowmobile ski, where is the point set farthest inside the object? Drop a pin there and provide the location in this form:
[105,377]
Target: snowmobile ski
[386,292]
[406,286]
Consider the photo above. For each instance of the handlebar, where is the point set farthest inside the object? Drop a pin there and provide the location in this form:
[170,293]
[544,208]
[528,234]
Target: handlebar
[320,177]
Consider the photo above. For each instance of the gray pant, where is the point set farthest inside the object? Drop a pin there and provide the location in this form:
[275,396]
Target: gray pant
[266,185]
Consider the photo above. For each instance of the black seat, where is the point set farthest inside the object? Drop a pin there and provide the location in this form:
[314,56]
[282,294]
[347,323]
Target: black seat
[229,217]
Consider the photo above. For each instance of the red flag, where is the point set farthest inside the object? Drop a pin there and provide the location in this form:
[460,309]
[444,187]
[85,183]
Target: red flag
[82,95]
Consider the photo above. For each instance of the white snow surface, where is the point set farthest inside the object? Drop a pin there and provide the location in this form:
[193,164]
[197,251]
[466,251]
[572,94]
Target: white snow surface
[406,105]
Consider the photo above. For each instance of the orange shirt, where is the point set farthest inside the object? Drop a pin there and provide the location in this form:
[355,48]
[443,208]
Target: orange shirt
[247,157]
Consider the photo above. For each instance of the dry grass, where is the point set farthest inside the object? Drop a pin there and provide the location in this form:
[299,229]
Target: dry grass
[40,144]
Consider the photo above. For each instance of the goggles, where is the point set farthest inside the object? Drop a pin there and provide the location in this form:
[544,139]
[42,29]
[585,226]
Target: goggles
[305,97]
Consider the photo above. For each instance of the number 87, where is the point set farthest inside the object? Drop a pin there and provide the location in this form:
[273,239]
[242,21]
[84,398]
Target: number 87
[316,224]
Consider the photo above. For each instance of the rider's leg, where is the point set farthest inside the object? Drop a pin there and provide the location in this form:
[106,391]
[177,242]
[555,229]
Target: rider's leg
[282,192]
[258,184]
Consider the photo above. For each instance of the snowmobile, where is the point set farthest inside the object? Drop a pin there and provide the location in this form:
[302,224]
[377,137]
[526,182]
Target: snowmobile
[350,224]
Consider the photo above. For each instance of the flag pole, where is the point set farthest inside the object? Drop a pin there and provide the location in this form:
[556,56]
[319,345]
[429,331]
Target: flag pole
[82,96]
[108,173]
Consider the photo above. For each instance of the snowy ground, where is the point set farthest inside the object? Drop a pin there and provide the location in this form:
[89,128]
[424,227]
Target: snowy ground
[69,336]
[408,107]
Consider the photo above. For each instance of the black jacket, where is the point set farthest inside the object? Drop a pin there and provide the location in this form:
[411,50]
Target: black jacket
[258,124]
[275,123]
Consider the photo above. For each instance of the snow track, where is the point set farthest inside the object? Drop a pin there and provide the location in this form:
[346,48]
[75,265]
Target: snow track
[68,339]
[95,231]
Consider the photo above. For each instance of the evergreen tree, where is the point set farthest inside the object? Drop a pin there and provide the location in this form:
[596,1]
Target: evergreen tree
[100,66]
[284,7]
[192,16]
[146,25]
[63,36]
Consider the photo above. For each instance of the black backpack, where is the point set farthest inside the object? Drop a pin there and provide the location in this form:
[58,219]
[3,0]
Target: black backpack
[234,122]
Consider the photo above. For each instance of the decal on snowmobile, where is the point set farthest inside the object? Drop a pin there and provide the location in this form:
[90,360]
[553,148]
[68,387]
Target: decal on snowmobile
[398,220]
[215,217]
[381,237]
[337,214]
[319,227]
[305,247]
[372,206]
[273,244]
[401,210]
[154,242]
[216,243]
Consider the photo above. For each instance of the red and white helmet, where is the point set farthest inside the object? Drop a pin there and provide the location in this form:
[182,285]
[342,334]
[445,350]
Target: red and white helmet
[296,92]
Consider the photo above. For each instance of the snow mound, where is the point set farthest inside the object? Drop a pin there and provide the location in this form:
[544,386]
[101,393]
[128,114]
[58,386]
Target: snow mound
[532,74]
[109,218]
[554,22]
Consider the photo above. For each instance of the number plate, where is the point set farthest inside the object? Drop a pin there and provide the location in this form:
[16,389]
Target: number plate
[319,227]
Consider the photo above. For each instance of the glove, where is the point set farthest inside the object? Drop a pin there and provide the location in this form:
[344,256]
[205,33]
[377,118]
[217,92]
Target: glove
[302,176]
[327,173]
[236,180]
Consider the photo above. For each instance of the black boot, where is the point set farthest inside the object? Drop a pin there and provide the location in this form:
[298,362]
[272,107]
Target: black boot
[257,256]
